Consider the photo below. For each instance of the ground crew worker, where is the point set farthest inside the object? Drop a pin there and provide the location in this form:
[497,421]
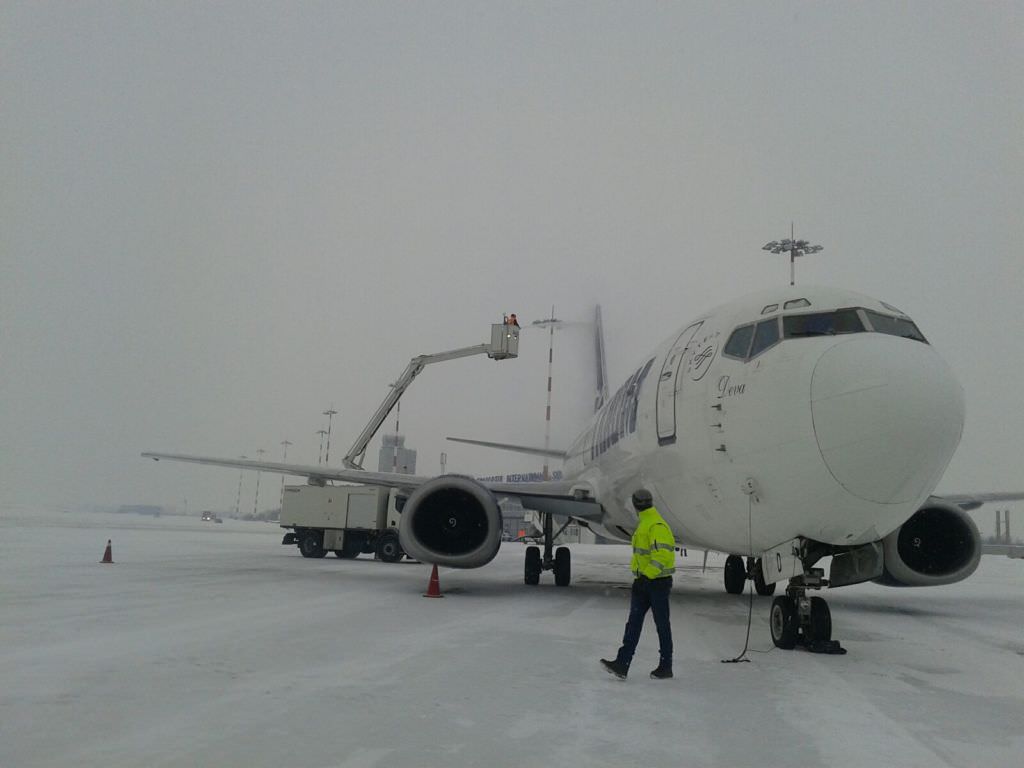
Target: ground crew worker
[653,563]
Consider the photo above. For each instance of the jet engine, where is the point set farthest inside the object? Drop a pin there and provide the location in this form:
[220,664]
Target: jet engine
[939,545]
[451,520]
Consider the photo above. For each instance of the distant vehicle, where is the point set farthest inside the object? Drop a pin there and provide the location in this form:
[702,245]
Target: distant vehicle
[207,515]
[348,520]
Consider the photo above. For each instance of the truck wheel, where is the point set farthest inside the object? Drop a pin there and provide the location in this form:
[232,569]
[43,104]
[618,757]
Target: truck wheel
[388,548]
[350,547]
[311,544]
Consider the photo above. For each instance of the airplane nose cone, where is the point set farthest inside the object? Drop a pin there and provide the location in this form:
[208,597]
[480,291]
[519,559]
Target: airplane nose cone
[887,416]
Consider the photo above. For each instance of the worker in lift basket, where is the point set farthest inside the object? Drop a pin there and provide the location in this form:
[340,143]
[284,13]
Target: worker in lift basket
[511,320]
[653,563]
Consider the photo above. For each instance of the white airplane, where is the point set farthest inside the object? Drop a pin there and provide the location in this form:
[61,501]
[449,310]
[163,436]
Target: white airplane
[787,426]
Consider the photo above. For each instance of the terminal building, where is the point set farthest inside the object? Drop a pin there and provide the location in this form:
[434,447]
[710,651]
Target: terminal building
[520,523]
[395,457]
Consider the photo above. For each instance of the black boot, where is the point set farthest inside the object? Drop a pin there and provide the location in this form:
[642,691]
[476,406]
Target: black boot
[616,668]
[663,672]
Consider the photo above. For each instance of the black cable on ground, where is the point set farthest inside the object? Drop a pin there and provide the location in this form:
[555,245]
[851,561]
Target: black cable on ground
[750,589]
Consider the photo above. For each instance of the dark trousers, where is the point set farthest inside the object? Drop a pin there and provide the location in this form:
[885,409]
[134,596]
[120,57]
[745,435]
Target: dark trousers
[646,595]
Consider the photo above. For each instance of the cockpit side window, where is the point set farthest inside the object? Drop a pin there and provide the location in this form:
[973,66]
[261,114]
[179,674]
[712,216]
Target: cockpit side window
[894,326]
[739,342]
[822,324]
[766,335]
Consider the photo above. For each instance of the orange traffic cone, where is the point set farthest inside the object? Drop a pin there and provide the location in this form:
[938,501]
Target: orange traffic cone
[108,555]
[434,588]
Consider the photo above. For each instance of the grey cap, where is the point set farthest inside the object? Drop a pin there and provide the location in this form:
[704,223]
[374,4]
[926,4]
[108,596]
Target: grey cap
[642,499]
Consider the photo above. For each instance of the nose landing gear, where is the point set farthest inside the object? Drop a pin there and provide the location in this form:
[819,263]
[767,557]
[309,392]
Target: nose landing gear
[796,618]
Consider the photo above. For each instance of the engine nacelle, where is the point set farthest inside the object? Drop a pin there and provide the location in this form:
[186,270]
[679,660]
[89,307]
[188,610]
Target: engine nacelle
[451,520]
[939,545]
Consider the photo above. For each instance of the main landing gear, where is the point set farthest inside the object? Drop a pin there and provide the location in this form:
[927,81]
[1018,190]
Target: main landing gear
[561,563]
[737,574]
[798,619]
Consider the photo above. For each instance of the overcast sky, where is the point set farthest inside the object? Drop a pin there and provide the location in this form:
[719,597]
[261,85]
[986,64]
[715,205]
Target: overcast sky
[218,219]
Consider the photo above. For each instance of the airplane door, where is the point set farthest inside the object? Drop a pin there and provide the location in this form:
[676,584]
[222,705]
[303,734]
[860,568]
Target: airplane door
[666,402]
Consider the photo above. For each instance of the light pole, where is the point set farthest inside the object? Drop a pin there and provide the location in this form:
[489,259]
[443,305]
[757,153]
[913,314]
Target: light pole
[444,461]
[329,413]
[550,323]
[256,499]
[238,500]
[321,432]
[794,248]
[284,459]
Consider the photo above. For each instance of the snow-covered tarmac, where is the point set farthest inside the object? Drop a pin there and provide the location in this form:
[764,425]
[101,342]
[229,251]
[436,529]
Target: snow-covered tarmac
[212,645]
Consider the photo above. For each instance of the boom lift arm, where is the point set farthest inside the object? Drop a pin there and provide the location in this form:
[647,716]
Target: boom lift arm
[504,344]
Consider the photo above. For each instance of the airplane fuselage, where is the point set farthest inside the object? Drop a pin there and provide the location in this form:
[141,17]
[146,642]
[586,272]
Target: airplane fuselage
[831,418]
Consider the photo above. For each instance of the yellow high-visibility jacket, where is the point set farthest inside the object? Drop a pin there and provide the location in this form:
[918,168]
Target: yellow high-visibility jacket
[654,546]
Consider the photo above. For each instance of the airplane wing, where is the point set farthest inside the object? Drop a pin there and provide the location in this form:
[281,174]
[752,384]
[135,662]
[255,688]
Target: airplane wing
[554,453]
[969,501]
[554,496]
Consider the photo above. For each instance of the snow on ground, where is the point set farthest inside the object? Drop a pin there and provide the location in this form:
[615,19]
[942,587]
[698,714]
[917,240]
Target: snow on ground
[213,645]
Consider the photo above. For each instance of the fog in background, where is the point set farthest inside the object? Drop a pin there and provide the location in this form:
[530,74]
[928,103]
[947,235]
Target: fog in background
[218,220]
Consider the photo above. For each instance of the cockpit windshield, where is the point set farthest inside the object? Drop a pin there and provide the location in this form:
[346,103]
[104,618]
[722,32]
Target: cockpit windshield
[748,341]
[822,324]
[895,326]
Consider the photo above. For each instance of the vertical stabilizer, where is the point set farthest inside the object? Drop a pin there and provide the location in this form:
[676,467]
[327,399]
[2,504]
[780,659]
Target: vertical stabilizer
[602,369]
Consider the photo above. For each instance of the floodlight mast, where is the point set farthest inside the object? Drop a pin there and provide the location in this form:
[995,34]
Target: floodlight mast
[794,248]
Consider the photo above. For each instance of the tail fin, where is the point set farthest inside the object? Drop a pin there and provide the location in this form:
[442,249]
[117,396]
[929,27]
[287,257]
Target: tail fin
[602,369]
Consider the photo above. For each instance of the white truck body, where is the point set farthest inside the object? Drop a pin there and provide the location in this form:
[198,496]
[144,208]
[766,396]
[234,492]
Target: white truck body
[345,519]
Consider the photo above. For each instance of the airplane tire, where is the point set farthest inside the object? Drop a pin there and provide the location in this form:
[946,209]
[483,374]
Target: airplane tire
[760,587]
[784,622]
[821,620]
[735,575]
[311,544]
[532,569]
[563,567]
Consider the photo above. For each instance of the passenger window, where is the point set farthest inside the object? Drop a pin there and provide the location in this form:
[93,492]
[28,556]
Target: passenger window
[739,342]
[894,326]
[796,304]
[769,309]
[766,335]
